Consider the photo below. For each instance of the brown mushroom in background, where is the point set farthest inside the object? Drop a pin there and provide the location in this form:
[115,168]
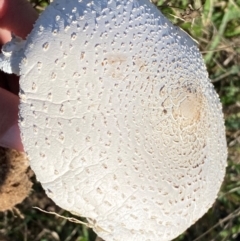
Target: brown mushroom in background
[15,184]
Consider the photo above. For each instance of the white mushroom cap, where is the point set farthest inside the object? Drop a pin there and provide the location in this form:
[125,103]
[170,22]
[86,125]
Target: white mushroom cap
[11,56]
[119,119]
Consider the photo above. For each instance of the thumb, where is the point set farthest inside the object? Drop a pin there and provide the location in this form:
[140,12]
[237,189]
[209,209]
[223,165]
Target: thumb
[9,131]
[16,16]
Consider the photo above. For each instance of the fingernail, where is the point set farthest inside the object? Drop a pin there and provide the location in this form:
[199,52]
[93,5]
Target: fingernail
[11,138]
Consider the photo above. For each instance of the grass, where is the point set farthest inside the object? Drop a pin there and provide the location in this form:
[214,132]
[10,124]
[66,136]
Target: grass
[216,27]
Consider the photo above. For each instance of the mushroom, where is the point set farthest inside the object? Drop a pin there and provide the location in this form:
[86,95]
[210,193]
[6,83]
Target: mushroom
[119,118]
[15,183]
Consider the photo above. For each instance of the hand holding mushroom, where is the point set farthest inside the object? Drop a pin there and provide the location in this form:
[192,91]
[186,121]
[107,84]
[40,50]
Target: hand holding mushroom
[15,16]
[118,117]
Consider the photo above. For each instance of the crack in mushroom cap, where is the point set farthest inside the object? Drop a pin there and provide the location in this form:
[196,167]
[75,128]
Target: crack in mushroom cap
[119,119]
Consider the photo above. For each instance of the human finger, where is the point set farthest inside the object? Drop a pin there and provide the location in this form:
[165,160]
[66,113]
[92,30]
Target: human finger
[9,130]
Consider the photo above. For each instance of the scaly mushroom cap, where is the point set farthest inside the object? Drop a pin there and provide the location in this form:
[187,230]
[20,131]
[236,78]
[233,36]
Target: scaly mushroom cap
[119,119]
